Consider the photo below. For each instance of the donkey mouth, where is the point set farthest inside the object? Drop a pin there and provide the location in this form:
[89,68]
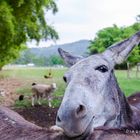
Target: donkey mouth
[84,134]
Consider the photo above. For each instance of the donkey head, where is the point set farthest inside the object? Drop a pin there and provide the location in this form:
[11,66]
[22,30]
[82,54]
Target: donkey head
[89,101]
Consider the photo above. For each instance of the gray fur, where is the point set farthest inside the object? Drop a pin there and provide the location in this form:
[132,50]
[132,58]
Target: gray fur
[120,51]
[68,58]
[93,98]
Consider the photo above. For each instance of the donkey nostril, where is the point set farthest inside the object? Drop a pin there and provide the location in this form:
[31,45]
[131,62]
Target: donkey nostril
[58,119]
[80,111]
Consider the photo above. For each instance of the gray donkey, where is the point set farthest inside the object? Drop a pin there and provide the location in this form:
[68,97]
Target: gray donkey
[92,97]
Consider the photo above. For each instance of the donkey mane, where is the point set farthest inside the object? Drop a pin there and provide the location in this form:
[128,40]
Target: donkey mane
[132,121]
[125,110]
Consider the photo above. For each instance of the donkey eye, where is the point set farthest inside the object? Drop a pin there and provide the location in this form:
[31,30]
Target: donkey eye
[102,68]
[64,78]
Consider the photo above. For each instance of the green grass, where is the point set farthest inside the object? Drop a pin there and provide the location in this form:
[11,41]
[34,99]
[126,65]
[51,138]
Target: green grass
[128,85]
[30,75]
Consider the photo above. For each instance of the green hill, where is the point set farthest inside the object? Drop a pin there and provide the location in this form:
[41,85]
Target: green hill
[78,47]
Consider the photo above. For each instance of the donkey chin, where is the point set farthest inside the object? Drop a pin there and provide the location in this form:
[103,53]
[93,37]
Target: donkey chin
[77,130]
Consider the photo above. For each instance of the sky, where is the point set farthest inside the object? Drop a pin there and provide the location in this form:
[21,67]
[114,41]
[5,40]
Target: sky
[82,19]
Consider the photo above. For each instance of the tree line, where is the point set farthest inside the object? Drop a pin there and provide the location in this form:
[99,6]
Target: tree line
[110,35]
[28,57]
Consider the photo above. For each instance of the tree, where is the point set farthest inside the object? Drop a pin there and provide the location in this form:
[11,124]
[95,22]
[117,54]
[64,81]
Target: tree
[40,61]
[105,38]
[110,35]
[28,57]
[22,21]
[25,57]
[56,60]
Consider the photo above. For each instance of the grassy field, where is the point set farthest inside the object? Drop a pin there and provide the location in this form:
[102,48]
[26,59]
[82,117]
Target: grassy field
[130,85]
[30,75]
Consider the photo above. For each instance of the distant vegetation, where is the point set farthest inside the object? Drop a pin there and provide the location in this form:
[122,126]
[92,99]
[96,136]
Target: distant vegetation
[48,56]
[111,35]
[30,58]
[104,38]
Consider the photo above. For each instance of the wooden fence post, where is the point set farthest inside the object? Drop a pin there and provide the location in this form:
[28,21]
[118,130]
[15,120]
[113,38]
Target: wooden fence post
[128,70]
[137,70]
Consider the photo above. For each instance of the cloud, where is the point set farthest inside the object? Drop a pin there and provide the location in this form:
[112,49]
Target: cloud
[80,19]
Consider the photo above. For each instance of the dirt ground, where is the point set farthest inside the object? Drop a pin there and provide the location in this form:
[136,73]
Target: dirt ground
[40,115]
[8,88]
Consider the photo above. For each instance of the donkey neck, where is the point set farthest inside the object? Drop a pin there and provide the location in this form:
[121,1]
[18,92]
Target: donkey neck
[124,112]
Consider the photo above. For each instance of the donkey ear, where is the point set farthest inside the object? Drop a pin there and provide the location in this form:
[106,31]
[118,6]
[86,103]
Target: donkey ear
[69,58]
[120,51]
